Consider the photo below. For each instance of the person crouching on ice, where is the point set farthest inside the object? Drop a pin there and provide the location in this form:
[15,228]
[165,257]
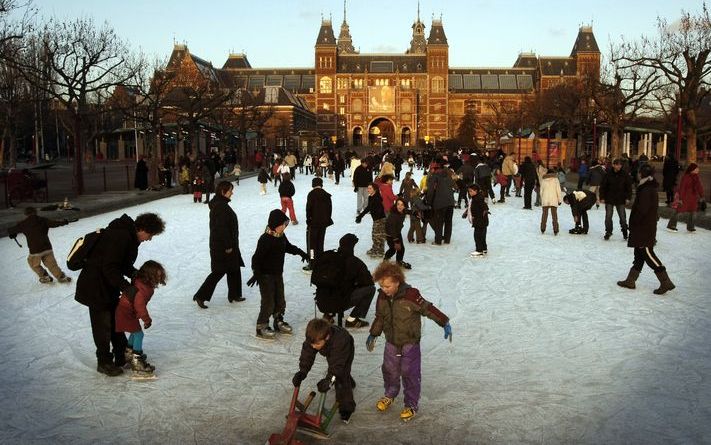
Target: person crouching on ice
[336,344]
[580,202]
[133,306]
[397,313]
[267,269]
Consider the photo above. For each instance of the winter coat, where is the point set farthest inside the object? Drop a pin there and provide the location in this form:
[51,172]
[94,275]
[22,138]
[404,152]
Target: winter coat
[394,223]
[362,177]
[224,232]
[644,214]
[478,211]
[36,230]
[596,175]
[101,281]
[290,161]
[286,189]
[268,258]
[541,171]
[670,171]
[387,194]
[129,311]
[339,351]
[528,173]
[439,190]
[551,196]
[508,167]
[399,316]
[406,187]
[466,171]
[374,207]
[140,180]
[482,173]
[581,201]
[356,273]
[263,176]
[339,164]
[616,187]
[318,208]
[690,191]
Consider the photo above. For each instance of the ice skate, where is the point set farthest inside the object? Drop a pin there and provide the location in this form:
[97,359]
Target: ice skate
[46,279]
[140,368]
[357,323]
[404,265]
[407,414]
[282,327]
[64,279]
[266,333]
[477,254]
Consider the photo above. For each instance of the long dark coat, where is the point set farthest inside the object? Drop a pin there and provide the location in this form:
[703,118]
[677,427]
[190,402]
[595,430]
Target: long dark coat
[644,215]
[318,208]
[102,279]
[224,233]
[140,180]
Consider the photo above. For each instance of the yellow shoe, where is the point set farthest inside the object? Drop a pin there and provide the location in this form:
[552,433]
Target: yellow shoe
[384,403]
[407,414]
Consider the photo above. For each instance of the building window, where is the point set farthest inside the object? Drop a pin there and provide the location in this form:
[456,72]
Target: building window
[357,105]
[405,84]
[342,84]
[271,95]
[382,82]
[326,106]
[358,84]
[405,106]
[342,110]
[437,84]
[342,99]
[421,84]
[325,85]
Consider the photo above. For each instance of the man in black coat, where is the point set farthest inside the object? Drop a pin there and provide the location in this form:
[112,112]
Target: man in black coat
[318,218]
[529,177]
[643,232]
[225,256]
[440,195]
[615,192]
[102,280]
[580,202]
[362,177]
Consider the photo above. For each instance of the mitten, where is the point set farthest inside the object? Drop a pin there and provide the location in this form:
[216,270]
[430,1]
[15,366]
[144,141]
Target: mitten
[324,384]
[298,378]
[370,342]
[358,220]
[304,256]
[147,323]
[448,332]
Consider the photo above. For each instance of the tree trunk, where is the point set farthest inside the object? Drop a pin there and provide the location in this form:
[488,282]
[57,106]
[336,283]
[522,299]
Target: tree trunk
[616,133]
[78,154]
[690,130]
[3,142]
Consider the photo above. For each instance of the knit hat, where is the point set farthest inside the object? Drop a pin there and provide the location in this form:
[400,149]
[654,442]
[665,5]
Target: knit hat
[276,218]
[317,182]
[347,243]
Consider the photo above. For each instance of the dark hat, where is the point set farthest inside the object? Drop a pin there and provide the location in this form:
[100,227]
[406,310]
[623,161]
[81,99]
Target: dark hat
[317,182]
[646,170]
[276,218]
[348,240]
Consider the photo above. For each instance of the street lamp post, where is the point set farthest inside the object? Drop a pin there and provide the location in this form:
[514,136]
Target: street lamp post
[548,146]
[594,143]
[678,136]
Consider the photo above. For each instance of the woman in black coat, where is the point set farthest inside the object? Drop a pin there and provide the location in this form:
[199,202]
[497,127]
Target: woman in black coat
[103,279]
[225,256]
[643,232]
[140,180]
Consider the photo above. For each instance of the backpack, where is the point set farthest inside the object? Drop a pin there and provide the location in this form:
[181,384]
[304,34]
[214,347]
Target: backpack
[81,249]
[327,275]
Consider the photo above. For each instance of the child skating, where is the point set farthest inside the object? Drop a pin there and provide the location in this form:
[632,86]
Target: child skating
[132,307]
[477,213]
[399,309]
[336,344]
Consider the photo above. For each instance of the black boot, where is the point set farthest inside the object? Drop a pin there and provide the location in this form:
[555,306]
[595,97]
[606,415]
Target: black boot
[630,280]
[106,366]
[665,283]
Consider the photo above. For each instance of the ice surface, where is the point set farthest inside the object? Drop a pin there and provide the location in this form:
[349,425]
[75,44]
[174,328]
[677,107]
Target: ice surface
[547,349]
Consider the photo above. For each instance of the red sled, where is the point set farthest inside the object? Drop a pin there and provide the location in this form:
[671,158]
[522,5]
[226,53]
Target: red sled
[298,420]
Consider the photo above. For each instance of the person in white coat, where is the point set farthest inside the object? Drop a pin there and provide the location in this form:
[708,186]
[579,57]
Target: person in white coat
[551,197]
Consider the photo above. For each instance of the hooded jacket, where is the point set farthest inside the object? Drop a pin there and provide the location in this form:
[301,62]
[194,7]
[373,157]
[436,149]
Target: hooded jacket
[224,231]
[399,316]
[551,195]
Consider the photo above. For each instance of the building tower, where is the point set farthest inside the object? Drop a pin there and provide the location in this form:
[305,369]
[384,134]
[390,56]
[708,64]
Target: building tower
[418,44]
[325,88]
[586,53]
[437,71]
[345,43]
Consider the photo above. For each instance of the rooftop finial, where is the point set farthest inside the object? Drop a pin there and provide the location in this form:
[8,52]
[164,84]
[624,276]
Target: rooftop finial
[344,11]
[418,10]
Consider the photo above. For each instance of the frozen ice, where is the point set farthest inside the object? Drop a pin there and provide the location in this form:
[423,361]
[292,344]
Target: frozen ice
[547,348]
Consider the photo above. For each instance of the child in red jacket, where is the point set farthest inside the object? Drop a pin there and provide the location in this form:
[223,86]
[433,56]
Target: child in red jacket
[132,306]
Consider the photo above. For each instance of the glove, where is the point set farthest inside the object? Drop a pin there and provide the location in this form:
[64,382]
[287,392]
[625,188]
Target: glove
[448,332]
[358,219]
[324,384]
[147,323]
[298,378]
[130,292]
[14,236]
[252,281]
[304,257]
[370,342]
[355,189]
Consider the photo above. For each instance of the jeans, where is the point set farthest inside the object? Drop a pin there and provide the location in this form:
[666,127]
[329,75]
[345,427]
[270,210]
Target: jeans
[480,239]
[689,223]
[360,299]
[621,212]
[399,254]
[544,218]
[442,224]
[314,240]
[362,199]
[271,290]
[135,341]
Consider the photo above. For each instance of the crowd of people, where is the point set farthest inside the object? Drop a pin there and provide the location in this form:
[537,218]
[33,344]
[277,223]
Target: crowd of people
[117,294]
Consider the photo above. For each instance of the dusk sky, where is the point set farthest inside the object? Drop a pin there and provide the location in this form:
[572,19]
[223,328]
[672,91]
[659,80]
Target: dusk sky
[273,33]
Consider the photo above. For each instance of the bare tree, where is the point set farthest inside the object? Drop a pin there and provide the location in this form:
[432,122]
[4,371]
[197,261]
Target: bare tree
[680,54]
[77,62]
[14,29]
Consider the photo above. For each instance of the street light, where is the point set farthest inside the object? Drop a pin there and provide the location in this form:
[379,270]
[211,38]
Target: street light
[594,144]
[678,136]
[548,146]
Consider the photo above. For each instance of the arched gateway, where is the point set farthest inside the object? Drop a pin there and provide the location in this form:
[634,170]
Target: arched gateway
[381,130]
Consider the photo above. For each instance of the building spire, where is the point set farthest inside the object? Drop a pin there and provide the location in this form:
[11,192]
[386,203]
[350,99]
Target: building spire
[345,42]
[418,44]
[344,11]
[418,10]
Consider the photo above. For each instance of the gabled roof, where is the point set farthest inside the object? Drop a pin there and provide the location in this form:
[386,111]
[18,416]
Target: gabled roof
[325,34]
[437,35]
[585,42]
[526,60]
[235,61]
[557,66]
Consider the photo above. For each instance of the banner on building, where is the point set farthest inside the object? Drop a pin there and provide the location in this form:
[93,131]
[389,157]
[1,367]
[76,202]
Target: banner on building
[381,99]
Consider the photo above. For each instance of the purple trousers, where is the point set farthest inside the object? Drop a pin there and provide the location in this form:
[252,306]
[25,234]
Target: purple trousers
[402,363]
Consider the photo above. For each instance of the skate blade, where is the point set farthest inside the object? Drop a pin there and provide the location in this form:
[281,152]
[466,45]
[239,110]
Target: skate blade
[143,377]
